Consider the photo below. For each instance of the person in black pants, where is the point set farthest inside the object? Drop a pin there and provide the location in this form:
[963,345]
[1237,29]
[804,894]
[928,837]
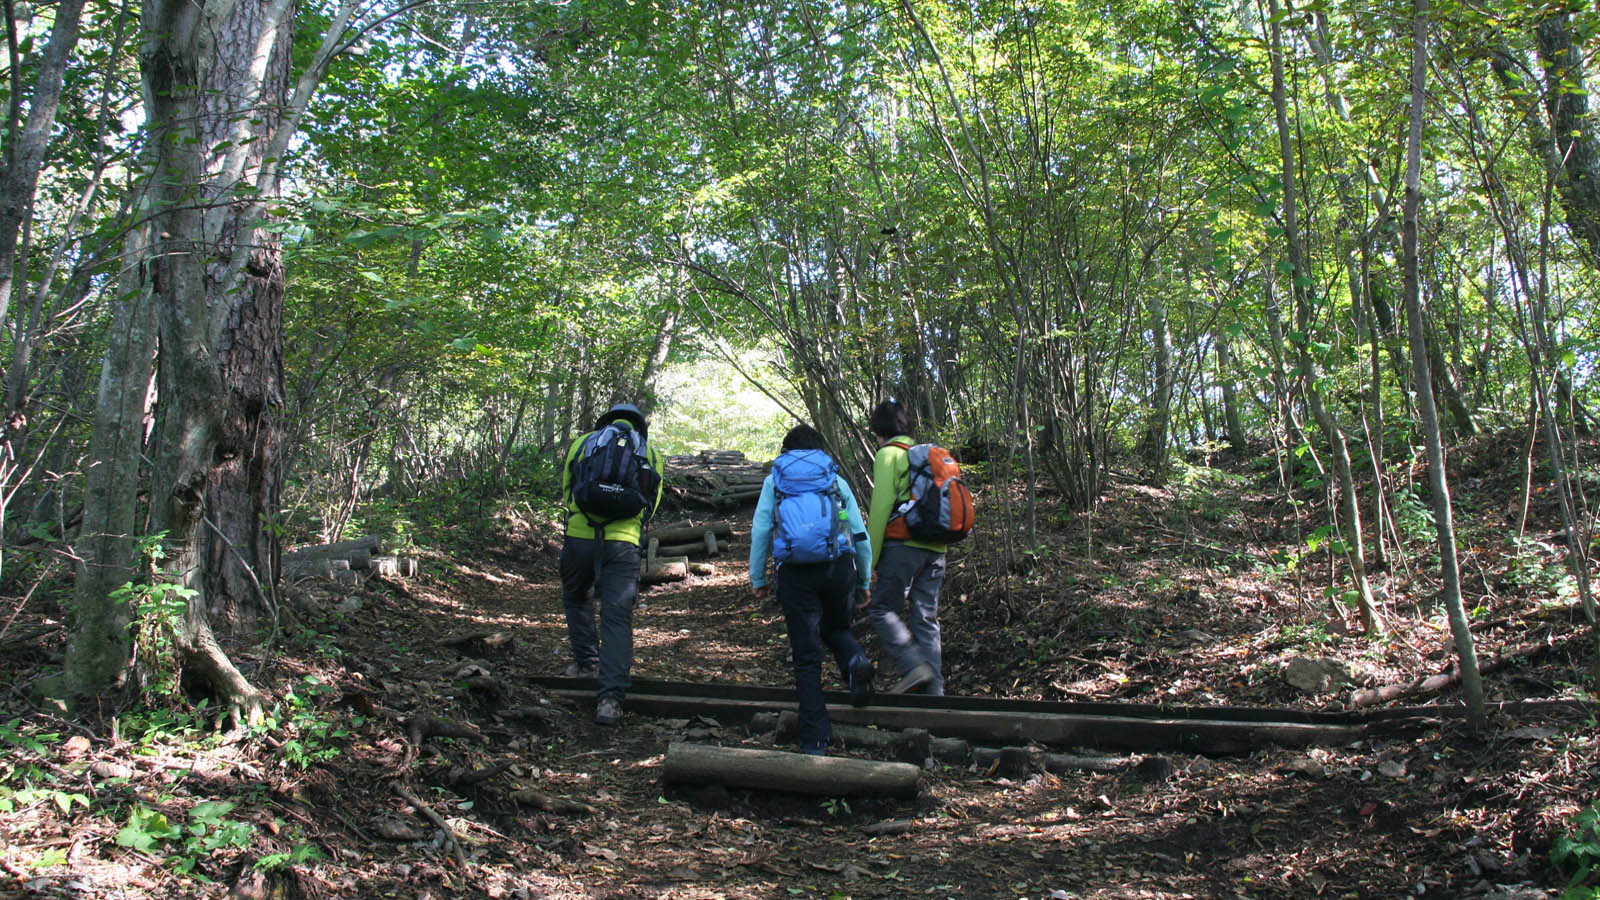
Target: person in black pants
[808,522]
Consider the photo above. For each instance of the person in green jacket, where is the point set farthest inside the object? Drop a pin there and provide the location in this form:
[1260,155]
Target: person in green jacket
[600,559]
[903,603]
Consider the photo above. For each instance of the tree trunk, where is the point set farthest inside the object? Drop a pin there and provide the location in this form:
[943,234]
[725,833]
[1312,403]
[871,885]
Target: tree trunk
[1230,391]
[217,78]
[1299,275]
[1158,425]
[1539,346]
[98,647]
[1573,127]
[646,393]
[25,152]
[1438,484]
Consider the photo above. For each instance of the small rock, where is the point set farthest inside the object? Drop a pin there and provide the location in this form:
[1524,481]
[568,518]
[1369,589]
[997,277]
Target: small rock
[1392,768]
[1316,675]
[1305,766]
[1484,862]
[111,770]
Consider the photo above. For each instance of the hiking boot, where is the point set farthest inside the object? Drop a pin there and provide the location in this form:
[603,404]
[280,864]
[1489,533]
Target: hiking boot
[861,671]
[608,711]
[921,675]
[581,670]
[817,749]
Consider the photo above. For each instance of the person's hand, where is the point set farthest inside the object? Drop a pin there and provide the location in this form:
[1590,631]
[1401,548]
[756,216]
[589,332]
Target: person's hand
[761,592]
[863,598]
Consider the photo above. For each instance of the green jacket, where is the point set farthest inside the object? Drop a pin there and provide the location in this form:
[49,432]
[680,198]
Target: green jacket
[891,486]
[622,529]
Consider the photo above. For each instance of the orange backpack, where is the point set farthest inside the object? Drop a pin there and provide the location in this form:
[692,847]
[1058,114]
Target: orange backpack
[940,508]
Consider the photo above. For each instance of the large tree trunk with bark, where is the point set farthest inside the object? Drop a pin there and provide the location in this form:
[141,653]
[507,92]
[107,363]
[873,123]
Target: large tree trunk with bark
[216,75]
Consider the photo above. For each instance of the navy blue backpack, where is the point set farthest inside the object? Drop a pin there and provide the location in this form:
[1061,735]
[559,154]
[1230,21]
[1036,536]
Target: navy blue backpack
[612,477]
[809,515]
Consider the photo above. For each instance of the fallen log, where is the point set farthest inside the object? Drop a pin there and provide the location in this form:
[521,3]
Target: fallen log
[911,745]
[27,635]
[354,557]
[321,566]
[480,641]
[370,543]
[698,548]
[681,532]
[775,770]
[1003,762]
[1432,684]
[551,803]
[1063,763]
[664,569]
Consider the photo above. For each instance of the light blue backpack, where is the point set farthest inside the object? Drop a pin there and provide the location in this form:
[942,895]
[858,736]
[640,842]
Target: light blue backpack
[810,513]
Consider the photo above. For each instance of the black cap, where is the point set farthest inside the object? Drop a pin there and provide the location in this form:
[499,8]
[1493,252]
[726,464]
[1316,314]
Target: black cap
[624,411]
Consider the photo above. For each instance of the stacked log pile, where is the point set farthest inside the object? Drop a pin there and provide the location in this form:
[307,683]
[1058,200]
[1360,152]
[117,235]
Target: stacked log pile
[720,479]
[345,562]
[668,548]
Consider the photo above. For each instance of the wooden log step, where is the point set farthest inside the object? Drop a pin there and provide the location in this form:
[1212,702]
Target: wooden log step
[776,770]
[1099,732]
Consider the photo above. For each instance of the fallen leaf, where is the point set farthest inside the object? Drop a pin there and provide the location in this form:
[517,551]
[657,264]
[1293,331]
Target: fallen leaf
[604,852]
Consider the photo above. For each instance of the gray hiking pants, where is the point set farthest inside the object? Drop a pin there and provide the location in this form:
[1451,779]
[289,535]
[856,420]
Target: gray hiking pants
[613,579]
[905,608]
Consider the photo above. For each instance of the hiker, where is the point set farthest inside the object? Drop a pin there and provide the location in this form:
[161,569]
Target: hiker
[808,522]
[611,483]
[903,601]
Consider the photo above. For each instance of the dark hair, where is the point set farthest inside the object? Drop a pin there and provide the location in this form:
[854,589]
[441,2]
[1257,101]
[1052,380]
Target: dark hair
[803,437]
[889,419]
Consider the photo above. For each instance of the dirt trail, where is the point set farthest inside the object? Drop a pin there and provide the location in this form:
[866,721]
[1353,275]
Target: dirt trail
[1178,604]
[1364,821]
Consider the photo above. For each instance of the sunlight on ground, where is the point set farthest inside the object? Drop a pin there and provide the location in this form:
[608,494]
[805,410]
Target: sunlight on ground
[706,404]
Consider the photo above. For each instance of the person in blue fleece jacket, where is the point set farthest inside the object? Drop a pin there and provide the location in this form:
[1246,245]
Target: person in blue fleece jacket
[820,569]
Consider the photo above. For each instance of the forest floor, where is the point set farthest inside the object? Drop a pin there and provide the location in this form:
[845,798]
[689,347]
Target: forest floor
[1197,593]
